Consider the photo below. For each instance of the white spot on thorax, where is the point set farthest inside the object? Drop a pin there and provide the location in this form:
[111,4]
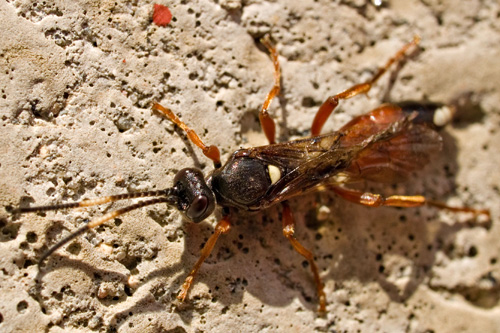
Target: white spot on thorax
[274,173]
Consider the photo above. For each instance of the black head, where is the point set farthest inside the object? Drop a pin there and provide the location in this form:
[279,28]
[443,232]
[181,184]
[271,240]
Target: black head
[195,200]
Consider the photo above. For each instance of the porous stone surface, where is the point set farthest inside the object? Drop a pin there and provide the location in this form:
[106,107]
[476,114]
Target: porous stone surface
[77,82]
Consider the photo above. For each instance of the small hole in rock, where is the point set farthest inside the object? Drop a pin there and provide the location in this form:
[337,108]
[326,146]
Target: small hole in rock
[74,248]
[22,306]
[31,237]
[472,251]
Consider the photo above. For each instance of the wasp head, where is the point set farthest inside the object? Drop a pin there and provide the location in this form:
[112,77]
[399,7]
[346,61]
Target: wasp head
[195,200]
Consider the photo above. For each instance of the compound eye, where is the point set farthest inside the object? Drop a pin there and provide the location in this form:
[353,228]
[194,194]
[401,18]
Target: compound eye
[197,208]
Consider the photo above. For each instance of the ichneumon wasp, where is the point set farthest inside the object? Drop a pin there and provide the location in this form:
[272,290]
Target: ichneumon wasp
[384,145]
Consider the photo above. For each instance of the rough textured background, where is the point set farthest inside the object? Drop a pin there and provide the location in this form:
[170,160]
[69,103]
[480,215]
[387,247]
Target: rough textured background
[77,81]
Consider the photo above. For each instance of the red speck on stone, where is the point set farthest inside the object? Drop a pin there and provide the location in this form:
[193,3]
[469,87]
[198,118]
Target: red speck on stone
[161,15]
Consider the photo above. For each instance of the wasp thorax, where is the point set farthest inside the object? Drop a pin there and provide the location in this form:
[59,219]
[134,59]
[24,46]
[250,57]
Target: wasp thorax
[241,182]
[195,199]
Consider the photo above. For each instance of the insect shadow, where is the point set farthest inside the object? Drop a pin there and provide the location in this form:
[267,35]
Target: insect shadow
[395,247]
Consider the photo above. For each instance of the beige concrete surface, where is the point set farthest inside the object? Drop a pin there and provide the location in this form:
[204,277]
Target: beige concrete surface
[77,81]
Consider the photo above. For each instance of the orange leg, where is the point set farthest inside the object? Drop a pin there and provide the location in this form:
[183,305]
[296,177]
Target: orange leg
[288,231]
[212,152]
[376,200]
[331,102]
[266,121]
[222,227]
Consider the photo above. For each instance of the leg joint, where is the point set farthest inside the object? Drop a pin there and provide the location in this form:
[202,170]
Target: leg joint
[370,199]
[288,231]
